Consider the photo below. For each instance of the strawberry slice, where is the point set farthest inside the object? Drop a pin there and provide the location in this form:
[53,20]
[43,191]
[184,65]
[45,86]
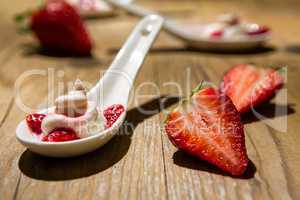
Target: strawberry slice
[112,113]
[60,135]
[258,31]
[217,33]
[34,122]
[59,28]
[209,127]
[248,86]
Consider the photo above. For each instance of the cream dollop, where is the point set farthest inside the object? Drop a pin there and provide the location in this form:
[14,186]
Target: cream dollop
[73,104]
[74,111]
[90,7]
[229,19]
[230,26]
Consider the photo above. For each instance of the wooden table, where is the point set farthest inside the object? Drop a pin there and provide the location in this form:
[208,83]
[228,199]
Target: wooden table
[143,164]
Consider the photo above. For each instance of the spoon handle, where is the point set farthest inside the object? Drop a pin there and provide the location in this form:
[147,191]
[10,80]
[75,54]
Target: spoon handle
[169,25]
[117,81]
[132,8]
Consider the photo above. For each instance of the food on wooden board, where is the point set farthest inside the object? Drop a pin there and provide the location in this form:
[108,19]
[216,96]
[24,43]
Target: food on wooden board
[208,126]
[73,117]
[59,28]
[248,86]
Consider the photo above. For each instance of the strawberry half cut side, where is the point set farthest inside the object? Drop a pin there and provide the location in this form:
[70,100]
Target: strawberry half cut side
[209,127]
[248,86]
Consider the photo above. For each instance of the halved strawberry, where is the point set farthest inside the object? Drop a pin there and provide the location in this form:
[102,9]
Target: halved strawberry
[249,86]
[209,127]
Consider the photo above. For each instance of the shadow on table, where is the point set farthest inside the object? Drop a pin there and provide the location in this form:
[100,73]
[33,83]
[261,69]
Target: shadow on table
[183,159]
[35,49]
[260,50]
[75,60]
[102,18]
[267,111]
[46,168]
[293,48]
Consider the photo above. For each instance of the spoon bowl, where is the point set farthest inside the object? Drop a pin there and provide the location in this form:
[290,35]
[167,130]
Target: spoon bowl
[118,78]
[197,41]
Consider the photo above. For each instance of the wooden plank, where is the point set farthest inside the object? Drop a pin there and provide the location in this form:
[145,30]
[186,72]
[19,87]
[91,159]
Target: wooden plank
[144,164]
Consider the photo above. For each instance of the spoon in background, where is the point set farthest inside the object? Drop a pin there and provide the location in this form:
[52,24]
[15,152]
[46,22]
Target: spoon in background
[188,32]
[113,88]
[92,8]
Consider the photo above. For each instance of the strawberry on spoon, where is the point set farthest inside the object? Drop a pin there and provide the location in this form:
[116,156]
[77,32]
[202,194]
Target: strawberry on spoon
[209,127]
[34,122]
[59,28]
[61,135]
[112,113]
[248,86]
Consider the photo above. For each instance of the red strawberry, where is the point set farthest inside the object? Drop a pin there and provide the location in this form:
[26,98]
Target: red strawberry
[209,127]
[259,30]
[61,135]
[217,33]
[112,113]
[248,86]
[34,122]
[59,28]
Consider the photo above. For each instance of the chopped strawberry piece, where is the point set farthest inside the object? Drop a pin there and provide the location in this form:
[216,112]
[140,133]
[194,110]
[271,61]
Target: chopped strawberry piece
[59,28]
[217,34]
[60,135]
[209,127]
[258,31]
[112,113]
[248,86]
[34,122]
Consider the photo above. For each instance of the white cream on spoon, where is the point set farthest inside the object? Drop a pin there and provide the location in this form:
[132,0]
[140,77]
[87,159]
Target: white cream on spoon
[74,111]
[92,8]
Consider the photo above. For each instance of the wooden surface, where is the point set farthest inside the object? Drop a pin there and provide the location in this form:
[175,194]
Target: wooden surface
[144,164]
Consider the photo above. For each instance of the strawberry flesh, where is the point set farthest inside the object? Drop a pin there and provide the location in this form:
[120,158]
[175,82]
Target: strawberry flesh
[34,122]
[60,135]
[217,34]
[60,29]
[112,113]
[209,127]
[258,31]
[248,86]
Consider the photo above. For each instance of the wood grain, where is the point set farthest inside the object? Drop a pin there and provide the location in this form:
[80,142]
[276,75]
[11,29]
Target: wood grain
[143,164]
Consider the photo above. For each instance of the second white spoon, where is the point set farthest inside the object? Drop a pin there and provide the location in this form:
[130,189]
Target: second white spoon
[191,38]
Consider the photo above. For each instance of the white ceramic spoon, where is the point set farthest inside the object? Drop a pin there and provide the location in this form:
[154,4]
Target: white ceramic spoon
[113,88]
[193,39]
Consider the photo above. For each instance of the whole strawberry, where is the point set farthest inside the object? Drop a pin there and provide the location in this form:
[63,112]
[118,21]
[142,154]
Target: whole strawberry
[60,29]
[249,86]
[209,127]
